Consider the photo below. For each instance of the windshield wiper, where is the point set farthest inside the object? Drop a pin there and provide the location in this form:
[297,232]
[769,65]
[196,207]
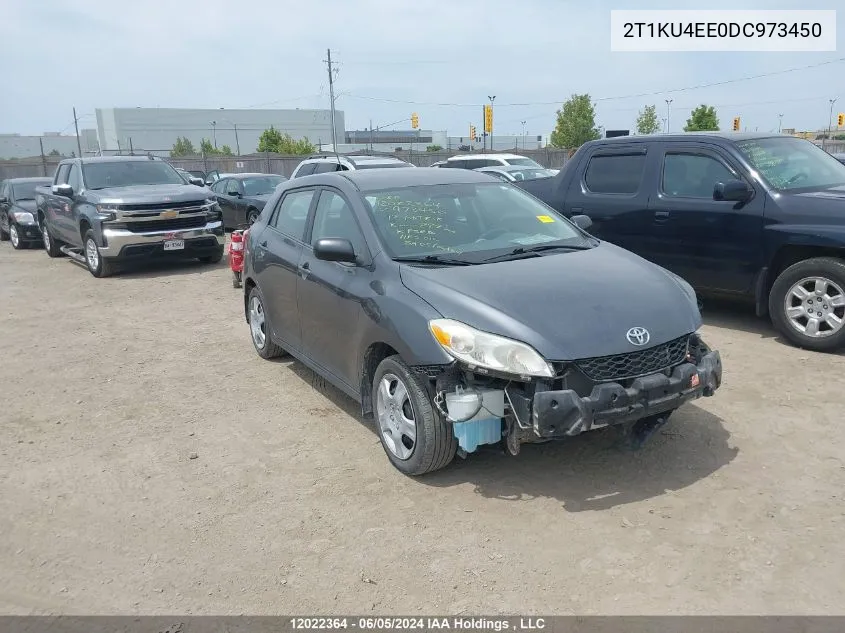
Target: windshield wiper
[521,252]
[433,259]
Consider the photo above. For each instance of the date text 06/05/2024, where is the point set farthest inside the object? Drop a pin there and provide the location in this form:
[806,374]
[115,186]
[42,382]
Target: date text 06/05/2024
[418,623]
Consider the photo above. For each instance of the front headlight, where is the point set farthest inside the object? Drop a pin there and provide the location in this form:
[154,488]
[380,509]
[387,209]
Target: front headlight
[489,351]
[23,217]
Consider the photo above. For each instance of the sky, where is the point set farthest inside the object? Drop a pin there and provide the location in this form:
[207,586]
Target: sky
[438,58]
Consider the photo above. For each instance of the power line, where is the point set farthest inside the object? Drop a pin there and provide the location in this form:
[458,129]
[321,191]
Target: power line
[614,98]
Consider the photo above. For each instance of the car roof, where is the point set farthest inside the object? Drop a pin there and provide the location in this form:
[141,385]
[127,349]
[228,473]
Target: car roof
[501,156]
[116,159]
[507,168]
[253,174]
[368,179]
[686,136]
[28,179]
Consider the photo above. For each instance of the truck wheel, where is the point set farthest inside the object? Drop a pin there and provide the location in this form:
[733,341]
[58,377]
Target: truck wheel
[51,245]
[807,304]
[251,216]
[259,327]
[97,264]
[4,237]
[415,438]
[212,259]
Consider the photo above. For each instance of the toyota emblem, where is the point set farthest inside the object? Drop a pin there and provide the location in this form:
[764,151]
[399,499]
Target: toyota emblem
[637,336]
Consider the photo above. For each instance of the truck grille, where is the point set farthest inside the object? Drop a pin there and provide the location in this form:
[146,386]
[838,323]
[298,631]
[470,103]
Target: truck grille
[632,364]
[162,206]
[176,224]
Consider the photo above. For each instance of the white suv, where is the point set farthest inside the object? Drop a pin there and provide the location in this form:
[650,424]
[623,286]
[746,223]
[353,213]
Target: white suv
[331,162]
[473,161]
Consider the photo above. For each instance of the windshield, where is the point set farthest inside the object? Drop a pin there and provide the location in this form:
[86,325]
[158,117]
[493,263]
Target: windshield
[128,173]
[789,164]
[381,165]
[530,174]
[26,190]
[461,219]
[261,185]
[526,162]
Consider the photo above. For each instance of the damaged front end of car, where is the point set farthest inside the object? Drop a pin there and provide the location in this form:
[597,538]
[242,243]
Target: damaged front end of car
[498,390]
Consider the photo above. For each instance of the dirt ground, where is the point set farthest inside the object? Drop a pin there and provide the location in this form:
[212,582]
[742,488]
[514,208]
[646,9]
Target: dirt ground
[151,463]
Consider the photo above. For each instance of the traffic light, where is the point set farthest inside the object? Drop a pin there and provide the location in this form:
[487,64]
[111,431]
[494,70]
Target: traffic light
[415,121]
[471,133]
[840,120]
[736,124]
[488,118]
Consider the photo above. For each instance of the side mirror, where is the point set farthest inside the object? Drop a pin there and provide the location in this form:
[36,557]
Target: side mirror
[63,190]
[199,182]
[732,191]
[583,222]
[236,194]
[334,249]
[4,200]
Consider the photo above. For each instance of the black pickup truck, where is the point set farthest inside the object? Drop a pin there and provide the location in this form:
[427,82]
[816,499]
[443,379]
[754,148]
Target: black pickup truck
[756,216]
[104,211]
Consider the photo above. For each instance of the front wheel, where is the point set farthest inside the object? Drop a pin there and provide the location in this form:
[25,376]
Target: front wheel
[415,439]
[4,236]
[259,327]
[97,264]
[251,216]
[15,238]
[807,304]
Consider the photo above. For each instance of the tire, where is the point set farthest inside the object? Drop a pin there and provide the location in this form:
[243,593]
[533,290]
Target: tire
[4,236]
[815,286]
[252,216]
[212,259]
[17,243]
[97,265]
[434,445]
[265,347]
[51,245]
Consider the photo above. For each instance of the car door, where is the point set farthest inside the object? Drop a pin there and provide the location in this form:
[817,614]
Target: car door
[58,207]
[71,216]
[228,203]
[5,205]
[612,187]
[710,243]
[330,293]
[278,254]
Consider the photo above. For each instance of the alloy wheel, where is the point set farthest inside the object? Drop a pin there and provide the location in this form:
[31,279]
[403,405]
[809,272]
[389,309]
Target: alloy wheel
[14,236]
[395,414]
[92,254]
[257,323]
[815,307]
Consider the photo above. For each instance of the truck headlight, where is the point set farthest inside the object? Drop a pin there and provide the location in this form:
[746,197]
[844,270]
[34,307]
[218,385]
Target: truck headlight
[489,351]
[23,217]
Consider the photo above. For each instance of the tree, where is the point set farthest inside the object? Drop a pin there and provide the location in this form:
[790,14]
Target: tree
[183,147]
[433,148]
[207,148]
[275,142]
[647,121]
[576,123]
[226,151]
[702,119]
[54,152]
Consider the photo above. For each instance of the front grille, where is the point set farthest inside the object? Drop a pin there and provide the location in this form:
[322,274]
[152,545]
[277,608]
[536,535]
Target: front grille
[176,224]
[163,206]
[632,364]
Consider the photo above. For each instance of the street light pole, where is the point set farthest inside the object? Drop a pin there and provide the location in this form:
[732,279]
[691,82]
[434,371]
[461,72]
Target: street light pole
[523,135]
[214,133]
[668,113]
[492,99]
[780,123]
[830,120]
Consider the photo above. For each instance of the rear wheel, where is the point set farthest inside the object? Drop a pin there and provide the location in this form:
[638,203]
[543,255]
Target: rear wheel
[415,439]
[807,304]
[51,245]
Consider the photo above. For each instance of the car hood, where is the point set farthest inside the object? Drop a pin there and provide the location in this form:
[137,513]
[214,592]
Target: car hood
[836,193]
[139,194]
[25,205]
[567,305]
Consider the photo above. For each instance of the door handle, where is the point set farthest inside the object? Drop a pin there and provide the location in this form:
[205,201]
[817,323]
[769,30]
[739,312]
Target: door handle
[661,216]
[263,244]
[304,269]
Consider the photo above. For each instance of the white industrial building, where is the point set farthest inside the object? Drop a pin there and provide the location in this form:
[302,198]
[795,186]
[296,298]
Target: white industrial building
[156,129]
[20,146]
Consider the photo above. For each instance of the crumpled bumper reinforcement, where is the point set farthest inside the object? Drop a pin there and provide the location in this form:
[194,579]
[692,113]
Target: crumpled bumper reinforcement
[565,413]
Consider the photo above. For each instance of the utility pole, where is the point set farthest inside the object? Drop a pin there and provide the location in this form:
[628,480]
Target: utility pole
[780,123]
[79,145]
[131,149]
[523,135]
[830,120]
[237,142]
[43,158]
[371,135]
[330,66]
[214,133]
[668,113]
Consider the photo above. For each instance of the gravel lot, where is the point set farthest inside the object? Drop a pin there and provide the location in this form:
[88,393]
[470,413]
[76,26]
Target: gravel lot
[151,463]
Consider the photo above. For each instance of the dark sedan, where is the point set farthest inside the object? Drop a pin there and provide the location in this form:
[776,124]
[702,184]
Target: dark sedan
[462,311]
[243,196]
[840,158]
[17,211]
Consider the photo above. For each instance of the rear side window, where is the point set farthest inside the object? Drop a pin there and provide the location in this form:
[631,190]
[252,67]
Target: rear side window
[455,164]
[74,179]
[481,162]
[292,214]
[62,175]
[327,166]
[306,169]
[618,173]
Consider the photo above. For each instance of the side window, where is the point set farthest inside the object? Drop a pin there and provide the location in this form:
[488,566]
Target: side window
[618,173]
[233,187]
[693,175]
[456,164]
[293,213]
[62,175]
[335,218]
[74,179]
[326,166]
[217,187]
[306,169]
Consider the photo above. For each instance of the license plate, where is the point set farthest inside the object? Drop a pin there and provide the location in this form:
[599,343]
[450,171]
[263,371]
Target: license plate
[174,245]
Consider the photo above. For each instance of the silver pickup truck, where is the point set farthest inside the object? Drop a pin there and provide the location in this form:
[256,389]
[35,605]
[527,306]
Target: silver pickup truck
[104,211]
